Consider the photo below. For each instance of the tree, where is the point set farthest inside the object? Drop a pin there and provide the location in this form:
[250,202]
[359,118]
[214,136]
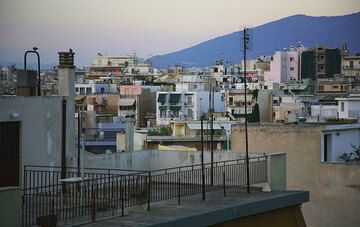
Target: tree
[255,115]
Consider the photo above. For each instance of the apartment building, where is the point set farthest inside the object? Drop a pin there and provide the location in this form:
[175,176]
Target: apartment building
[320,62]
[184,105]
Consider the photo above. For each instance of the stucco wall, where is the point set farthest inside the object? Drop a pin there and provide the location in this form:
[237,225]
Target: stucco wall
[40,128]
[334,188]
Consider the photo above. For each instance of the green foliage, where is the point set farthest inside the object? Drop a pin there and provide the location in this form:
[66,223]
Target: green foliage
[255,115]
[346,157]
[255,94]
[164,131]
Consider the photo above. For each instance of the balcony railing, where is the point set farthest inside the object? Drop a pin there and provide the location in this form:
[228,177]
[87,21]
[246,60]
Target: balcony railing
[49,202]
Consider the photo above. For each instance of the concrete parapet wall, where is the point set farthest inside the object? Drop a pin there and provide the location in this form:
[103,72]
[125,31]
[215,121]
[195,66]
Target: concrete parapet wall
[10,206]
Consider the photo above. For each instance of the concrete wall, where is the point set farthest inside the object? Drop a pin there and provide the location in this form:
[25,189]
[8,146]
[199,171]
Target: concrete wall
[151,159]
[277,171]
[40,127]
[10,206]
[334,188]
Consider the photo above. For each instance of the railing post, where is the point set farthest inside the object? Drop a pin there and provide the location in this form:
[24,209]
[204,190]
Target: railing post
[179,192]
[149,190]
[122,199]
[224,179]
[93,205]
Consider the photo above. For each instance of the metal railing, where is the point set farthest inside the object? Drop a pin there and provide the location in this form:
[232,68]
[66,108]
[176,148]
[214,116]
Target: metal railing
[108,192]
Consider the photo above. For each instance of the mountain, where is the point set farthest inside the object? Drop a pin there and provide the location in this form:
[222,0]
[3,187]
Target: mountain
[332,31]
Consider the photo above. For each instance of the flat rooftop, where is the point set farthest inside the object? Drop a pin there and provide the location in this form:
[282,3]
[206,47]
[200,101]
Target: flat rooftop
[215,209]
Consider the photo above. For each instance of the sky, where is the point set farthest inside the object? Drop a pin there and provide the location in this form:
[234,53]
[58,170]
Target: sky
[144,27]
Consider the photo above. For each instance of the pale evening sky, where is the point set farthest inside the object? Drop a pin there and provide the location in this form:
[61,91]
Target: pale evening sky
[148,27]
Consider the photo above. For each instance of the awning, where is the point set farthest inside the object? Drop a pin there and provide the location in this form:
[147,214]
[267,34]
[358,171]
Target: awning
[161,98]
[126,101]
[79,97]
[162,107]
[197,126]
[174,98]
[175,108]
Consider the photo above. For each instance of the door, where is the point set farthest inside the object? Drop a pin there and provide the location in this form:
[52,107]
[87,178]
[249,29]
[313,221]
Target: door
[9,153]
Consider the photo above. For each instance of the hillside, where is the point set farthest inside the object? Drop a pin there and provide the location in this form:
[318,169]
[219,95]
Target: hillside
[332,31]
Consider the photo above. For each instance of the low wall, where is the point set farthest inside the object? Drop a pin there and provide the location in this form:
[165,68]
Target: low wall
[152,159]
[10,206]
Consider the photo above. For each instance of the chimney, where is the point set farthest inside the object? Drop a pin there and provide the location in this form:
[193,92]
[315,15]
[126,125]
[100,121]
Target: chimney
[66,74]
[129,132]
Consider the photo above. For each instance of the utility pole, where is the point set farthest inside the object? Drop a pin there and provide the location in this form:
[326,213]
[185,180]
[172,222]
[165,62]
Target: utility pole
[246,40]
[211,112]
[202,157]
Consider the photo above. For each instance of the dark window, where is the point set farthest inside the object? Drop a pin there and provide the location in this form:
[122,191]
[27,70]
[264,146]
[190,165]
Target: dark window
[231,100]
[216,70]
[292,68]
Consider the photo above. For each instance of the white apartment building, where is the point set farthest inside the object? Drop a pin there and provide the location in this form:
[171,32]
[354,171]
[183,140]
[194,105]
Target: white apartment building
[92,88]
[350,65]
[349,107]
[184,105]
[120,65]
[190,83]
[285,65]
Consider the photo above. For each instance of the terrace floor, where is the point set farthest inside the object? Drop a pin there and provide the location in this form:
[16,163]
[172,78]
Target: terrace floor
[215,209]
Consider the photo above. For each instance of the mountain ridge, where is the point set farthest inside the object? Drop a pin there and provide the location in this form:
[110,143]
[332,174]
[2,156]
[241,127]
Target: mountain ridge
[279,34]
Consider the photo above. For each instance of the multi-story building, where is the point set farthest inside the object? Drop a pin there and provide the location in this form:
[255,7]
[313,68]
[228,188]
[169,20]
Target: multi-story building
[320,62]
[184,105]
[235,102]
[119,65]
[224,73]
[285,65]
[92,87]
[349,107]
[350,65]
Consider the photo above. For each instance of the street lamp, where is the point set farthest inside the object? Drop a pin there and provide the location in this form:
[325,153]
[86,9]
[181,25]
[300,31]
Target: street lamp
[25,71]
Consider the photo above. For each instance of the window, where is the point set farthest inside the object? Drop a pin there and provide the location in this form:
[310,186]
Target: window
[189,100]
[292,68]
[225,80]
[320,66]
[82,91]
[231,101]
[265,87]
[216,70]
[76,89]
[190,113]
[88,90]
[291,58]
[102,90]
[335,87]
[342,106]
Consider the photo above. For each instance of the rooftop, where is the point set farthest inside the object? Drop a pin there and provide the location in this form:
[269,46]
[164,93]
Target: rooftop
[192,211]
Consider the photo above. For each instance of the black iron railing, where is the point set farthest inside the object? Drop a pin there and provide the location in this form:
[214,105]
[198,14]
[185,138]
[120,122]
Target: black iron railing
[109,192]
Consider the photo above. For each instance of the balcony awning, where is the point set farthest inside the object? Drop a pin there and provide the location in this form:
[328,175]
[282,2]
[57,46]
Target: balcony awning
[126,101]
[162,107]
[174,98]
[161,98]
[175,108]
